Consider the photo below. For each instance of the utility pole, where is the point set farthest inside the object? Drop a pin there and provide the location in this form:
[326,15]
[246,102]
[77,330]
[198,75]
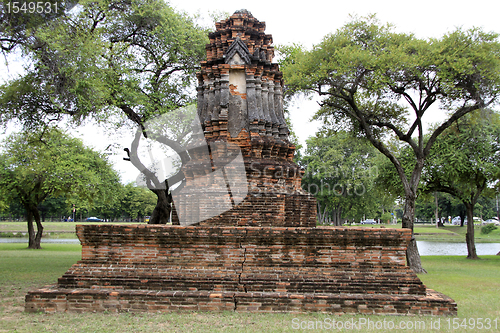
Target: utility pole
[437,209]
[498,215]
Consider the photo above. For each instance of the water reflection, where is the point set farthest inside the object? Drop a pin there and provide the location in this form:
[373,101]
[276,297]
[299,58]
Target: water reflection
[455,249]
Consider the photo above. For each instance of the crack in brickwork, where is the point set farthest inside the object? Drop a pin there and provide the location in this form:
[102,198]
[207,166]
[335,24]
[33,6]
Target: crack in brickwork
[243,262]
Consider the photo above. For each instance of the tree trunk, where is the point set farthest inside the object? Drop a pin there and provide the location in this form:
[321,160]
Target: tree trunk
[338,223]
[469,236]
[31,230]
[412,256]
[34,239]
[436,213]
[161,213]
[319,212]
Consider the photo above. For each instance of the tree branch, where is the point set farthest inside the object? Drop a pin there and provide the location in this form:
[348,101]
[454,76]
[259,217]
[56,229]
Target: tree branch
[458,114]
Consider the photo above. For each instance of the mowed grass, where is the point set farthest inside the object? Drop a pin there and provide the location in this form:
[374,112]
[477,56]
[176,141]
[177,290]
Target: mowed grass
[474,285]
[50,229]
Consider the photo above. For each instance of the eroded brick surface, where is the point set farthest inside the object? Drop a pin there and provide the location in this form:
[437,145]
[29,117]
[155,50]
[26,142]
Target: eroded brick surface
[261,269]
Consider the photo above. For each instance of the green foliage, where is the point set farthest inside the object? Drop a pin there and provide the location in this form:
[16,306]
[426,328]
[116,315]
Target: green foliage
[365,69]
[108,60]
[123,62]
[3,204]
[386,217]
[138,202]
[16,25]
[372,80]
[464,159]
[38,165]
[340,173]
[488,228]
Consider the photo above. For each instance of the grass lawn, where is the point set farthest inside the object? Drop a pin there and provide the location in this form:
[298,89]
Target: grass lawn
[49,226]
[474,285]
[50,229]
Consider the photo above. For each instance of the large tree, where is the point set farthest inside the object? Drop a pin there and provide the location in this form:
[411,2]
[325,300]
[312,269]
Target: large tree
[340,172]
[137,202]
[124,62]
[37,165]
[378,82]
[464,162]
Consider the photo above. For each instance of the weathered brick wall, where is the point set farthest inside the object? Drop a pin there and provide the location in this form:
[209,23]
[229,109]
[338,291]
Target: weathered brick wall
[166,268]
[269,209]
[264,259]
[272,180]
[50,300]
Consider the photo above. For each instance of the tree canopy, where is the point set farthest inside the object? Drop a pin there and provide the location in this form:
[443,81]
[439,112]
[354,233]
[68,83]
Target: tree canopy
[464,162]
[132,57]
[376,83]
[35,166]
[124,62]
[340,172]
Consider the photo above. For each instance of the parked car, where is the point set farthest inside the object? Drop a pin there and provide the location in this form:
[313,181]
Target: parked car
[494,221]
[94,219]
[478,220]
[369,221]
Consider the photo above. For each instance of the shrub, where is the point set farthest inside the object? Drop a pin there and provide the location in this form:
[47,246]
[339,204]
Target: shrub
[488,228]
[11,234]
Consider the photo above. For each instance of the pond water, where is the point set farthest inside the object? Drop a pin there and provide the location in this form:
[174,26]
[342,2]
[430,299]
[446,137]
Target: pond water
[455,249]
[424,248]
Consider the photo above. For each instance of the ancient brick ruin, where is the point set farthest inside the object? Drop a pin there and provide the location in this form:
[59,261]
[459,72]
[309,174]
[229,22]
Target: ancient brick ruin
[240,104]
[265,253]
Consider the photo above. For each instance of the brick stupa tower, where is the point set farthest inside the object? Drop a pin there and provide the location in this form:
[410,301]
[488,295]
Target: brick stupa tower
[264,254]
[240,104]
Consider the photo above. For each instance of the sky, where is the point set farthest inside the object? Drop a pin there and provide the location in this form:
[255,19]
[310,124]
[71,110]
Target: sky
[306,23]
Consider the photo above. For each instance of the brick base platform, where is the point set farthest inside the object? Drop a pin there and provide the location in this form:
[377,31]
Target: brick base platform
[52,299]
[259,269]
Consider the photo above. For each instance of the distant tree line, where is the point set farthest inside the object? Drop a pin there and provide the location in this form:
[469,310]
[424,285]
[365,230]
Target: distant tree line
[132,205]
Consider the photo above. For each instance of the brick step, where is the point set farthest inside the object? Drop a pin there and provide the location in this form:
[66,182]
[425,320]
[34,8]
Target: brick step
[334,286]
[251,279]
[162,268]
[54,299]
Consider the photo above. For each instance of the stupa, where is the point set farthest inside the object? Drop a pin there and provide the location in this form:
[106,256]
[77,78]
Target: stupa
[240,108]
[262,252]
